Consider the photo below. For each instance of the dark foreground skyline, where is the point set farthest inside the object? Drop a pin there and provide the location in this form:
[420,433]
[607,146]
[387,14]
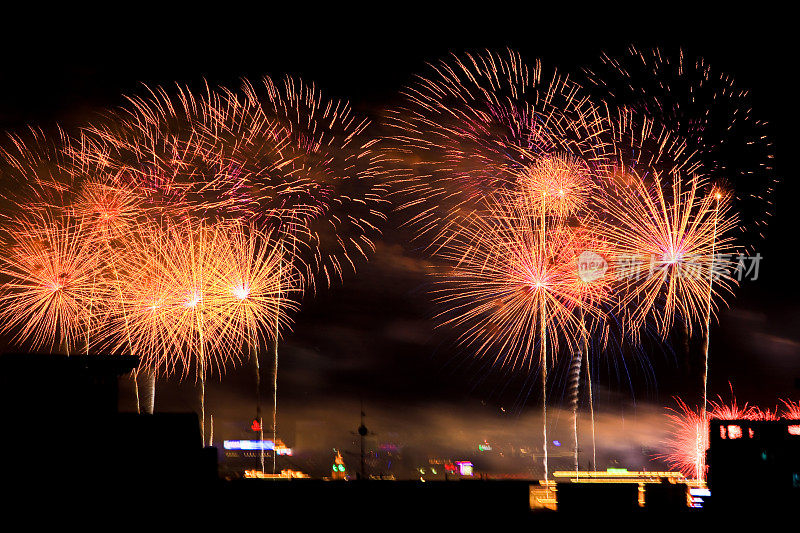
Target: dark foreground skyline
[371,338]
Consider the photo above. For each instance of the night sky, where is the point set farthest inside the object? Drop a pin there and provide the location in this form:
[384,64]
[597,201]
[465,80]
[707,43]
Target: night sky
[371,338]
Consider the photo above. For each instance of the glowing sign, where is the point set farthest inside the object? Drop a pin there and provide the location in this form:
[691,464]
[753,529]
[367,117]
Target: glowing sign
[484,448]
[464,468]
[698,497]
[256,425]
[256,445]
[616,470]
[556,443]
[248,445]
[591,266]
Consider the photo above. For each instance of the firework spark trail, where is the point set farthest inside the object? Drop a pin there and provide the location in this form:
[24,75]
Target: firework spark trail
[791,410]
[765,414]
[36,174]
[707,344]
[591,413]
[574,385]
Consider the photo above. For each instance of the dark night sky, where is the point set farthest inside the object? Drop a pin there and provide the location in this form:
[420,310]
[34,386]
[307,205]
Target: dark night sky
[371,338]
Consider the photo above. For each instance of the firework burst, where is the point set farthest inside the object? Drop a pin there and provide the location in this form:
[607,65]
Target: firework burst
[709,112]
[671,239]
[49,281]
[484,123]
[503,275]
[516,290]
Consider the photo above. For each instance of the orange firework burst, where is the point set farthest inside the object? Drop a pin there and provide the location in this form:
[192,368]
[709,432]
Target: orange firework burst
[671,239]
[564,182]
[193,295]
[515,286]
[484,123]
[293,166]
[280,155]
[257,286]
[110,210]
[510,281]
[48,271]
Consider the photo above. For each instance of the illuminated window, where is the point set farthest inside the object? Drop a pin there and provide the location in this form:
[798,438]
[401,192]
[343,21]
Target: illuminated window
[751,433]
[722,433]
[734,431]
[794,429]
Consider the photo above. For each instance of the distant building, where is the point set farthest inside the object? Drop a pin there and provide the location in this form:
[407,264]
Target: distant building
[747,453]
[62,431]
